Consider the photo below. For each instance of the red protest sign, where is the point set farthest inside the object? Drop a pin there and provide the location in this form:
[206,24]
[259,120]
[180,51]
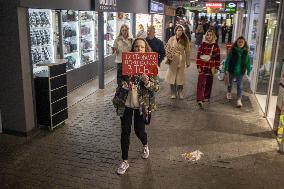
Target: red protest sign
[135,63]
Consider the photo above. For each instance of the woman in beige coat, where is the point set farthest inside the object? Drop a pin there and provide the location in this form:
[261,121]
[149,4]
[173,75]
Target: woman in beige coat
[178,51]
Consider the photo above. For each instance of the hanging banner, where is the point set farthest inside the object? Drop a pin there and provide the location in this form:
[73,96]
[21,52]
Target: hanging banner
[105,5]
[134,63]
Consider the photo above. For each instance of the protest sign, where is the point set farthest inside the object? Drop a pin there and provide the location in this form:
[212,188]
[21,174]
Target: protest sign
[135,63]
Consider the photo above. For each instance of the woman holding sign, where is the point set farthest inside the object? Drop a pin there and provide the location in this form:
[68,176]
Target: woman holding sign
[122,43]
[178,51]
[135,97]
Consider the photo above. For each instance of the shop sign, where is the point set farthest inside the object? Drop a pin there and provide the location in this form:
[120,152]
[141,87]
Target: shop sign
[156,7]
[230,7]
[106,5]
[134,63]
[214,5]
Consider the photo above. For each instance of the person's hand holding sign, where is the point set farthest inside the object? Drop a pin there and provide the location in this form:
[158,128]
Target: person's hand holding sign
[145,79]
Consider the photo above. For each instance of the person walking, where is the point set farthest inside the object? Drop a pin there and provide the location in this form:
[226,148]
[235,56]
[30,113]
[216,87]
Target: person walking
[122,43]
[134,98]
[178,51]
[207,61]
[199,34]
[169,31]
[155,44]
[237,64]
[224,31]
[141,32]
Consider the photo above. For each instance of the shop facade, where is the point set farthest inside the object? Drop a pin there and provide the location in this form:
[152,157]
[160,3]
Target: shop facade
[155,17]
[44,31]
[264,32]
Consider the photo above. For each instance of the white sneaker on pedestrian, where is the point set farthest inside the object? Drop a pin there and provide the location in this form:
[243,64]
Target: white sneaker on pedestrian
[239,103]
[180,94]
[122,168]
[145,152]
[173,96]
[200,104]
[229,96]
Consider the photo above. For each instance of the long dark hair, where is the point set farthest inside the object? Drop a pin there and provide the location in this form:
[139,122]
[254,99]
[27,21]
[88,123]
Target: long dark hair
[147,47]
[183,38]
[245,47]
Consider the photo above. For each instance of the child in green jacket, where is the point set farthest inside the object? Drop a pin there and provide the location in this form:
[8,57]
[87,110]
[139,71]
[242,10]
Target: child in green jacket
[237,65]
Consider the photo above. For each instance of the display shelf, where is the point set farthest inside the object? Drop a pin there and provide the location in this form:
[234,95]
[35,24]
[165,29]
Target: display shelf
[41,37]
[70,35]
[87,40]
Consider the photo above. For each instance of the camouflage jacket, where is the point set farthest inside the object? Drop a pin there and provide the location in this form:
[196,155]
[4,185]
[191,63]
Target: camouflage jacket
[146,95]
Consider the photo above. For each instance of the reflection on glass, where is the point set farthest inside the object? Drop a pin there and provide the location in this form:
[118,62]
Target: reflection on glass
[264,69]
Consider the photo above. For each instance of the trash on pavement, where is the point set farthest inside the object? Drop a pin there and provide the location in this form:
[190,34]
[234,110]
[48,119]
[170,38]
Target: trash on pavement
[192,156]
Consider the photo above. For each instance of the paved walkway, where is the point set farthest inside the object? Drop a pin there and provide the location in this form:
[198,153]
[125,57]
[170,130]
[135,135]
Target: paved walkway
[239,148]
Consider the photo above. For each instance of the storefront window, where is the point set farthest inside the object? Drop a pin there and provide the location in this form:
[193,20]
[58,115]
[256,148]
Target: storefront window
[158,24]
[112,23]
[269,44]
[144,20]
[41,38]
[277,74]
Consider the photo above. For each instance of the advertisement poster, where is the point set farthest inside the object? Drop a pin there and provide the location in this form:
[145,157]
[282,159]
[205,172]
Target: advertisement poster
[134,63]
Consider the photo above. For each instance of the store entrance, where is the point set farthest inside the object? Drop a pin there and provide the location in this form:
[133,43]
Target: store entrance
[265,69]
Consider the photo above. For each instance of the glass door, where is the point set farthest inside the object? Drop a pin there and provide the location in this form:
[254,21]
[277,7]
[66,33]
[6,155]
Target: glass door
[268,54]
[276,78]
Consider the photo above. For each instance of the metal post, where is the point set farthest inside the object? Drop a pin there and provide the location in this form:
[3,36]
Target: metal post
[101,50]
[134,24]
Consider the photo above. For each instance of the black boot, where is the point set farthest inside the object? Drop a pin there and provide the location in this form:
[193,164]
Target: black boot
[173,91]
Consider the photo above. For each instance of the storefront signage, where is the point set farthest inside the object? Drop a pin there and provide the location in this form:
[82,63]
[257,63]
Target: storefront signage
[106,5]
[230,7]
[138,63]
[214,5]
[156,7]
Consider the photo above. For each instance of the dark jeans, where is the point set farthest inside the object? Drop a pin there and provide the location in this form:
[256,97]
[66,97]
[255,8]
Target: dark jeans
[204,86]
[239,84]
[223,38]
[119,74]
[139,128]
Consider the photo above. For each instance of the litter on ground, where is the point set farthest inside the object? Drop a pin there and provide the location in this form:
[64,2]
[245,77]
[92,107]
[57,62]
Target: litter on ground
[192,156]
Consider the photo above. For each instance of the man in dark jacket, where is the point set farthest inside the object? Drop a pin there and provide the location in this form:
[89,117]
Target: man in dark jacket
[155,44]
[169,32]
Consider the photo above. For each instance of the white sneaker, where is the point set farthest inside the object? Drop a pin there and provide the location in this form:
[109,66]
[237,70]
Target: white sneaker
[180,94]
[239,103]
[229,96]
[145,152]
[122,168]
[173,96]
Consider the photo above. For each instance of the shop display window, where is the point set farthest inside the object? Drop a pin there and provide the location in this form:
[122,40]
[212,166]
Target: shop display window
[110,31]
[87,37]
[41,37]
[158,24]
[123,18]
[70,28]
[144,19]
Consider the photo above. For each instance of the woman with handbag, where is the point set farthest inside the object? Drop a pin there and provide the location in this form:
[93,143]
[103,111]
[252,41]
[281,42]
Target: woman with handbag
[135,97]
[178,51]
[122,43]
[207,61]
[236,65]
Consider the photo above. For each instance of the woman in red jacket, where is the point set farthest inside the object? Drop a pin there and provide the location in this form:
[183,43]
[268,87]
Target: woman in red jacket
[207,61]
